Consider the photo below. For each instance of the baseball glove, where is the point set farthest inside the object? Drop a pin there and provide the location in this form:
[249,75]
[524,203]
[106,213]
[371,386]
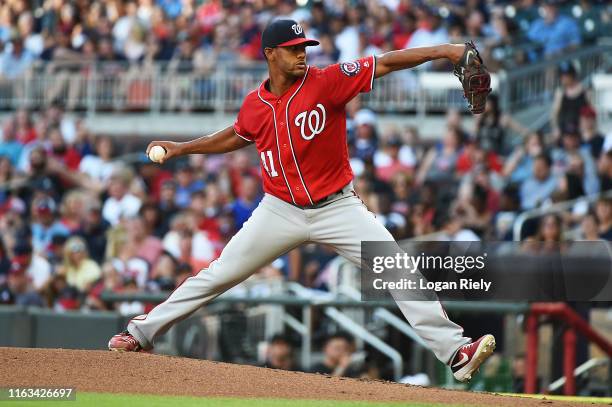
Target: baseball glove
[474,78]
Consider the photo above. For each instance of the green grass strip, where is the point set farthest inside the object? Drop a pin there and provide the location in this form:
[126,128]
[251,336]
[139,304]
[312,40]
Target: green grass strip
[142,400]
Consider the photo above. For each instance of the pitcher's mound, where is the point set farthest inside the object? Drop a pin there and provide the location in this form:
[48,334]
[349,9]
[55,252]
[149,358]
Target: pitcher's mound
[110,372]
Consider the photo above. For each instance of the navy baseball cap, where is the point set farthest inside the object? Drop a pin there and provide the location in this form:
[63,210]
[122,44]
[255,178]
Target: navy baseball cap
[284,33]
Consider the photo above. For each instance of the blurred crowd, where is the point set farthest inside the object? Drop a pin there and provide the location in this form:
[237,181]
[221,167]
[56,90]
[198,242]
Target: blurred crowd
[196,35]
[80,214]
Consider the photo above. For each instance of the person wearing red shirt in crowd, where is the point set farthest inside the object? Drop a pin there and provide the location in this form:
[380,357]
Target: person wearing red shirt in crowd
[394,165]
[473,155]
[24,127]
[61,151]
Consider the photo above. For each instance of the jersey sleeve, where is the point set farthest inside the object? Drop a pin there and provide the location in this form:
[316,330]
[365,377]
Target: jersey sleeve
[346,80]
[240,126]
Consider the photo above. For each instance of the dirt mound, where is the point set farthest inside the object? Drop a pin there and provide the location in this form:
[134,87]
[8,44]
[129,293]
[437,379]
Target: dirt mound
[99,371]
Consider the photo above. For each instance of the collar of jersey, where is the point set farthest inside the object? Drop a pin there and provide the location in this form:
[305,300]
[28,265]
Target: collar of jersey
[269,96]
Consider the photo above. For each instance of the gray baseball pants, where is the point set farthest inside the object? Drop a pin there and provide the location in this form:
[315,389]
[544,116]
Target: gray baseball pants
[276,227]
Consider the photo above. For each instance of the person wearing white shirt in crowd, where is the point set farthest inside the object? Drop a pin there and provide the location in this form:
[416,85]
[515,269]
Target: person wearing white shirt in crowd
[99,166]
[33,42]
[429,32]
[37,267]
[120,202]
[454,230]
[347,40]
[15,61]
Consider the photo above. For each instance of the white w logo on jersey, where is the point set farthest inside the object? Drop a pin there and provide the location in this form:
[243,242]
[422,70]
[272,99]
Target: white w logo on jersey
[297,29]
[314,119]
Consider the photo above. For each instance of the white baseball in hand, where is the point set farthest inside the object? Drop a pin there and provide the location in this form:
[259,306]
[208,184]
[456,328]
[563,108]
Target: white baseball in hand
[157,153]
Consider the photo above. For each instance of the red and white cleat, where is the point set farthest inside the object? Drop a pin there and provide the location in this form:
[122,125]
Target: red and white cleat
[124,342]
[469,357]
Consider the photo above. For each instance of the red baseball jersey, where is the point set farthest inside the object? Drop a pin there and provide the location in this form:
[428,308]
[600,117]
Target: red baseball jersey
[301,135]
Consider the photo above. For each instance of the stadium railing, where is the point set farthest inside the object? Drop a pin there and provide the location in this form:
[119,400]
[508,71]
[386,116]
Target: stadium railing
[521,219]
[534,84]
[103,87]
[108,87]
[118,87]
[574,324]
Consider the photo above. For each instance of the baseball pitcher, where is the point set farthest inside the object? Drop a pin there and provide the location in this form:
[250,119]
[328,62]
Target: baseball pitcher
[297,120]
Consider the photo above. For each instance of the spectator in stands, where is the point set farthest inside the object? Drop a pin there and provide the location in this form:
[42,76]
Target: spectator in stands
[61,151]
[325,54]
[440,162]
[93,228]
[347,38]
[120,202]
[61,296]
[476,159]
[572,186]
[202,247]
[10,146]
[99,166]
[36,267]
[555,32]
[430,31]
[366,137]
[390,164]
[111,280]
[214,209]
[338,353]
[80,270]
[247,200]
[519,165]
[570,143]
[454,229]
[518,373]
[401,185]
[380,205]
[492,125]
[40,176]
[603,211]
[139,243]
[186,184]
[588,227]
[186,257]
[180,67]
[24,127]
[590,136]
[8,200]
[568,101]
[55,254]
[18,289]
[153,222]
[280,354]
[72,209]
[509,207]
[33,41]
[167,200]
[605,171]
[15,61]
[550,229]
[45,224]
[539,187]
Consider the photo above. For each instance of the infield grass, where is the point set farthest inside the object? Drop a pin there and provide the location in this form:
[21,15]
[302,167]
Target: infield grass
[143,400]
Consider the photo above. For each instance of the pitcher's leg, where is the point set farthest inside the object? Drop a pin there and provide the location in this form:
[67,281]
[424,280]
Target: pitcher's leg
[343,225]
[270,232]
